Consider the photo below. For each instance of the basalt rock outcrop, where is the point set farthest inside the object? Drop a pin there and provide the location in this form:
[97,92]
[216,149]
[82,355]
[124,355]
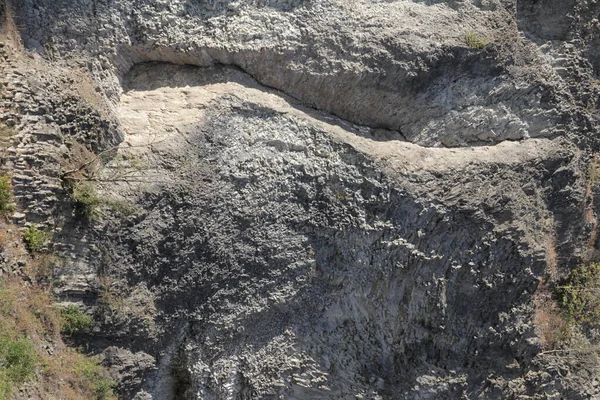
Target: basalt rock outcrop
[310,199]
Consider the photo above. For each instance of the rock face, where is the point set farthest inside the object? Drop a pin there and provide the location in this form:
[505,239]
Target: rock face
[398,65]
[312,199]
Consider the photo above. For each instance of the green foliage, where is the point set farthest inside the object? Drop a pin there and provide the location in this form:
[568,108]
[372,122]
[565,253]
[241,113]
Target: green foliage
[17,363]
[87,200]
[88,203]
[122,208]
[20,360]
[91,371]
[474,41]
[36,239]
[75,320]
[28,323]
[6,196]
[103,388]
[579,295]
[6,385]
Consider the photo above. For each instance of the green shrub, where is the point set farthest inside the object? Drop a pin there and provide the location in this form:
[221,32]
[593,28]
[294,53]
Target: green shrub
[20,360]
[36,239]
[579,295]
[90,370]
[6,196]
[86,200]
[103,388]
[474,41]
[17,363]
[75,320]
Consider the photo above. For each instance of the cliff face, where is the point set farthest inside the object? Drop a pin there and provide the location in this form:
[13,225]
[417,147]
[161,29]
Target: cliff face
[311,199]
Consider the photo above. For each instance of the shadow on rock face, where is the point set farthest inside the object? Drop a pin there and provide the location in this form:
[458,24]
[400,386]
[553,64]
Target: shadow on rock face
[545,19]
[292,256]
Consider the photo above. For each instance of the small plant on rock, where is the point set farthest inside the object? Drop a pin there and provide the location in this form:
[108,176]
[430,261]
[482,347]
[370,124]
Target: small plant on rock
[123,208]
[96,378]
[579,295]
[20,359]
[17,363]
[75,320]
[474,41]
[6,196]
[87,200]
[36,239]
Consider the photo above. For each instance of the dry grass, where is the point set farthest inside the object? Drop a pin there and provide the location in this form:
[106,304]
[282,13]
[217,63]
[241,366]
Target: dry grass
[41,268]
[86,89]
[551,258]
[110,297]
[28,314]
[28,311]
[593,171]
[81,162]
[553,329]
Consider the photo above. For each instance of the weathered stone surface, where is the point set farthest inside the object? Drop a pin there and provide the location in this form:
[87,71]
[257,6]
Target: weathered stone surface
[399,65]
[332,199]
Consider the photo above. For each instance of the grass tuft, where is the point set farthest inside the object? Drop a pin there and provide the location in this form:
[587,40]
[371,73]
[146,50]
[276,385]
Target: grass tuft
[474,41]
[86,200]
